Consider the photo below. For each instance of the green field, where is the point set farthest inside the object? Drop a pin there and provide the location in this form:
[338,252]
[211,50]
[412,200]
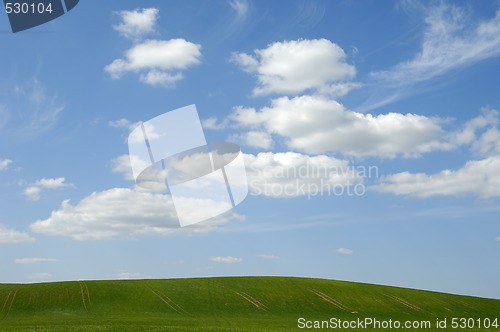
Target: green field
[227,304]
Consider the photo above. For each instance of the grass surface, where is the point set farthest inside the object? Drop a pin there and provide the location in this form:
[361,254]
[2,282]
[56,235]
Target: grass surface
[225,304]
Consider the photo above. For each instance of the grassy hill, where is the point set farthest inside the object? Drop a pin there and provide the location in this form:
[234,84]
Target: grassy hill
[226,304]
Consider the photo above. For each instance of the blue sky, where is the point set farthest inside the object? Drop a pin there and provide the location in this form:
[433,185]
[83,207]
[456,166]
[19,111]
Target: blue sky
[401,96]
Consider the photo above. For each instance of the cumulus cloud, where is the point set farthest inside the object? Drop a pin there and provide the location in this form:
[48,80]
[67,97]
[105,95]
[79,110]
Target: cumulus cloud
[226,259]
[481,133]
[8,235]
[120,123]
[291,67]
[476,177]
[34,260]
[180,169]
[344,251]
[213,124]
[4,164]
[121,165]
[158,77]
[124,123]
[498,238]
[488,143]
[52,183]
[33,192]
[314,124]
[468,134]
[255,139]
[137,23]
[122,212]
[290,174]
[158,62]
[284,174]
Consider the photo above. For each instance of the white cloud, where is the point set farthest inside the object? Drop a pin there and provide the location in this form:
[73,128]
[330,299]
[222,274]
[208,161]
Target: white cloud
[33,192]
[285,174]
[137,23]
[56,183]
[291,174]
[489,143]
[130,126]
[124,123]
[469,132]
[339,89]
[267,256]
[213,124]
[314,124]
[151,133]
[240,7]
[8,235]
[291,67]
[481,133]
[159,62]
[34,260]
[158,77]
[121,165]
[226,259]
[154,179]
[121,212]
[344,251]
[4,164]
[498,238]
[247,62]
[476,177]
[121,123]
[255,139]
[451,40]
[40,276]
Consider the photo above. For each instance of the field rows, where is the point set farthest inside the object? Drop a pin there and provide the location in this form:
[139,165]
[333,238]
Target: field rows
[219,304]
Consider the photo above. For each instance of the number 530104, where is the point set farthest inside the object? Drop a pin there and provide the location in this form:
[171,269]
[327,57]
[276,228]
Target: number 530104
[27,8]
